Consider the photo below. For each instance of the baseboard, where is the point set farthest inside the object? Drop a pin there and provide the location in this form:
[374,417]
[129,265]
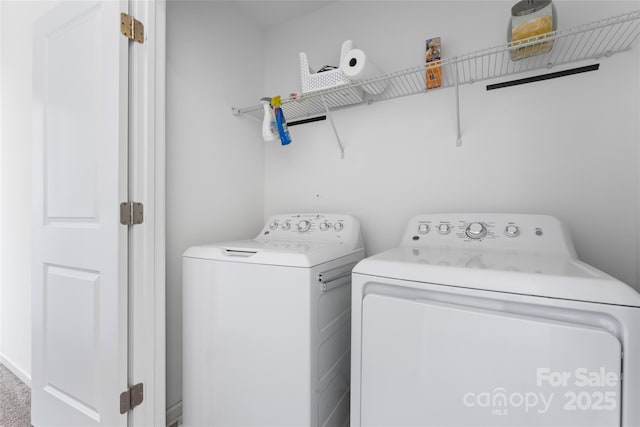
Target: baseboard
[24,377]
[174,415]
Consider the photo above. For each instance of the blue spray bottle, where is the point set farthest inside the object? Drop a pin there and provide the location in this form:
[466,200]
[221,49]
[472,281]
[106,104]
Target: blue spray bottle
[285,138]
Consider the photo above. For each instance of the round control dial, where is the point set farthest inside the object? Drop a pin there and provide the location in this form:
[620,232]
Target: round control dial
[423,228]
[444,228]
[476,230]
[273,225]
[286,226]
[324,226]
[338,226]
[512,230]
[304,225]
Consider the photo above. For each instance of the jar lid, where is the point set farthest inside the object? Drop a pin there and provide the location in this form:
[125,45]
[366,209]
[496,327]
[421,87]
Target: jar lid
[526,7]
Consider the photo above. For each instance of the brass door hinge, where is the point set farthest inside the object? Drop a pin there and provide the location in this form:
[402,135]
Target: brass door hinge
[131,398]
[131,213]
[131,28]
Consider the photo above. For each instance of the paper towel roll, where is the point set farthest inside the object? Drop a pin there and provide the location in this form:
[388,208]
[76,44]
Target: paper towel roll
[356,66]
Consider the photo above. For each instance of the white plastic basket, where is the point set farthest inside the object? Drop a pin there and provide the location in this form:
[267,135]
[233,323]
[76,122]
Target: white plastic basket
[317,81]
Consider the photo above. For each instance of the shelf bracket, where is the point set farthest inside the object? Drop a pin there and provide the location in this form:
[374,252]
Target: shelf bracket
[459,140]
[335,131]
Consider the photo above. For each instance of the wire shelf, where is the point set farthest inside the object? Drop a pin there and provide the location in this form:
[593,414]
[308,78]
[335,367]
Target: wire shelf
[588,41]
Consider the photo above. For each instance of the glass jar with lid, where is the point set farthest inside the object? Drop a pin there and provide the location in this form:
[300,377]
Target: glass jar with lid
[532,21]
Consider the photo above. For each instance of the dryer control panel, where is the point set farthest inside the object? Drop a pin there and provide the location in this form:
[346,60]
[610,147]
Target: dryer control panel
[312,227]
[517,232]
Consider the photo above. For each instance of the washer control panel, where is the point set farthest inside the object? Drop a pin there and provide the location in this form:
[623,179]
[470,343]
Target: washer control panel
[311,227]
[538,233]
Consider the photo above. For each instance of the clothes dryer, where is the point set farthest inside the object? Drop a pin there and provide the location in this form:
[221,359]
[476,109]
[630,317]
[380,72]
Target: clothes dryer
[266,325]
[491,320]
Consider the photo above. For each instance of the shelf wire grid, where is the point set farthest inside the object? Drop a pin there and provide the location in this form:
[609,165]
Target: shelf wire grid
[588,41]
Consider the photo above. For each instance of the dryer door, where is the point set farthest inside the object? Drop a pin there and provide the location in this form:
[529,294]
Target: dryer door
[436,364]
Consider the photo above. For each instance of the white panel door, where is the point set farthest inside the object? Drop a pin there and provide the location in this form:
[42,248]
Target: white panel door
[435,364]
[79,310]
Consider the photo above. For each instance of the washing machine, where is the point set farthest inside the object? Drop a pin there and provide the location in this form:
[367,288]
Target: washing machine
[266,325]
[491,320]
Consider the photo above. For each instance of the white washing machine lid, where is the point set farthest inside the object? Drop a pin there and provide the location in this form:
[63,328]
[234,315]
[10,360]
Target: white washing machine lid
[551,276]
[283,252]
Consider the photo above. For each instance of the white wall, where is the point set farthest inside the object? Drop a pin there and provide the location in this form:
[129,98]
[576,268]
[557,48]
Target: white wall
[215,161]
[566,147]
[15,169]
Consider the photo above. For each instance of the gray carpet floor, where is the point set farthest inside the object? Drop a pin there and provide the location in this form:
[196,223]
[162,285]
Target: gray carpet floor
[15,400]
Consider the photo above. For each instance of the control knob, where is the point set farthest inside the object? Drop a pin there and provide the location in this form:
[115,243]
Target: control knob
[512,230]
[444,228]
[324,226]
[476,230]
[286,226]
[423,228]
[338,226]
[273,225]
[304,225]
